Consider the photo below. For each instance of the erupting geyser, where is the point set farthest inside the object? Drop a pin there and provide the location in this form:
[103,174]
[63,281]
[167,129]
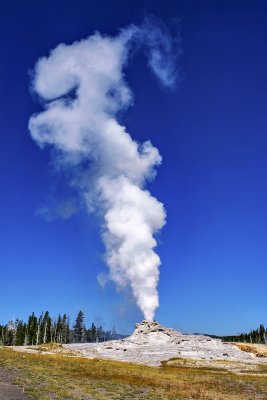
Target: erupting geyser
[83,88]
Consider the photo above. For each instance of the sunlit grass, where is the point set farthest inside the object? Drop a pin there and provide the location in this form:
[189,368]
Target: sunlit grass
[259,350]
[47,377]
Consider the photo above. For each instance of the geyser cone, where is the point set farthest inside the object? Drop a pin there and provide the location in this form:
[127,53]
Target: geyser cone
[151,332]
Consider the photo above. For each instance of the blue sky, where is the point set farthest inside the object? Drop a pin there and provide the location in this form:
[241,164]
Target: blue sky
[212,134]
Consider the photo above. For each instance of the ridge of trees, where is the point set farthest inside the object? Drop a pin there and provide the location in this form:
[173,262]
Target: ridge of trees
[258,336]
[44,329]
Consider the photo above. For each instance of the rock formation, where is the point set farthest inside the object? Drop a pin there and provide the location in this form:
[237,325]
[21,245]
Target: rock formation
[151,343]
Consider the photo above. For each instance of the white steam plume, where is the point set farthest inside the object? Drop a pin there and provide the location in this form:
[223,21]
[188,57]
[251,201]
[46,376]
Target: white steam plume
[83,88]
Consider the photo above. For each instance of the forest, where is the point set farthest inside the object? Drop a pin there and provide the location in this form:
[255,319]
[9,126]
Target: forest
[254,336]
[45,329]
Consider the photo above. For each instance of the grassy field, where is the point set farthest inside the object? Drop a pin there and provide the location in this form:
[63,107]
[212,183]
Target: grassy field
[60,376]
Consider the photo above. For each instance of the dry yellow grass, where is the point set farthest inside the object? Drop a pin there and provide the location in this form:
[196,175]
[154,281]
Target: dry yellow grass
[260,350]
[58,376]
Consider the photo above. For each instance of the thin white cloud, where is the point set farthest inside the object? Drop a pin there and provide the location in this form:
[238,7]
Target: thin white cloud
[64,209]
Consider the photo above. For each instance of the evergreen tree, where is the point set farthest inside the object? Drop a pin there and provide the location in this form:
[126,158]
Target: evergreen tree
[32,329]
[59,327]
[46,328]
[79,328]
[21,328]
[65,329]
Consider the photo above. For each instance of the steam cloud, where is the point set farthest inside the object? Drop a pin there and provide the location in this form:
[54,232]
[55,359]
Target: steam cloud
[83,88]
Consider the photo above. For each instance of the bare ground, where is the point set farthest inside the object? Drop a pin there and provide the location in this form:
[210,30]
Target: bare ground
[8,391]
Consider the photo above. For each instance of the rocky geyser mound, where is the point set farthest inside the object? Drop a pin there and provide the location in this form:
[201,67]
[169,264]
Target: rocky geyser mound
[151,343]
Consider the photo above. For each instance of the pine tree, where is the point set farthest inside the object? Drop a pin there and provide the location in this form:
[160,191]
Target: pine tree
[79,328]
[46,328]
[21,328]
[65,329]
[32,329]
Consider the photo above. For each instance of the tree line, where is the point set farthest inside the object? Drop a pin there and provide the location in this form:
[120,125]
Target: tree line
[254,336]
[44,329]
